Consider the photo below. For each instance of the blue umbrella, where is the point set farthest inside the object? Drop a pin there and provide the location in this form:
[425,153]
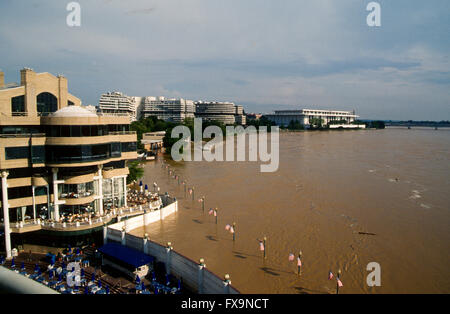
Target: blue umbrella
[93,277]
[107,290]
[36,268]
[13,264]
[22,266]
[86,290]
[99,283]
[140,183]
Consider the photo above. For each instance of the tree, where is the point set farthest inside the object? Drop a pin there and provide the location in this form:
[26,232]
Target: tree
[136,172]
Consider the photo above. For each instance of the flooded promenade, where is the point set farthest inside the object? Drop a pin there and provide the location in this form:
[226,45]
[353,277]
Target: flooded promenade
[344,199]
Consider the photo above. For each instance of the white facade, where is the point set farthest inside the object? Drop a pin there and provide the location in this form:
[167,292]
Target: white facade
[173,109]
[225,112]
[284,117]
[117,102]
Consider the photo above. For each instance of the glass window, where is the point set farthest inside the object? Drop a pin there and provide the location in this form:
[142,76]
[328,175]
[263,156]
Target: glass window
[65,131]
[85,130]
[38,154]
[17,152]
[129,147]
[18,105]
[115,149]
[76,131]
[46,103]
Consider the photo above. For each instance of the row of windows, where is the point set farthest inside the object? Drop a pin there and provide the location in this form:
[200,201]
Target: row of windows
[66,130]
[70,153]
[26,191]
[37,153]
[83,130]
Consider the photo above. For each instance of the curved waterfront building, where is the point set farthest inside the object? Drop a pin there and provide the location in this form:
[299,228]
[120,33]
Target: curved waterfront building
[225,112]
[56,157]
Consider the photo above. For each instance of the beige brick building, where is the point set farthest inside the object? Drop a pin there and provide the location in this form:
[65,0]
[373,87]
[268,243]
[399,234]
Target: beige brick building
[58,159]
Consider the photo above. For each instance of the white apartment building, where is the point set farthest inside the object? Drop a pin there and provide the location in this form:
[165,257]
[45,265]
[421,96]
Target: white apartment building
[119,103]
[173,109]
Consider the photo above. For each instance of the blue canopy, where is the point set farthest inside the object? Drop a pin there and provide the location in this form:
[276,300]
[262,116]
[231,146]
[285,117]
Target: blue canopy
[125,254]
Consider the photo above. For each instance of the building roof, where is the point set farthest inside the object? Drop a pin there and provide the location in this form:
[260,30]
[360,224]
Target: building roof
[126,254]
[74,111]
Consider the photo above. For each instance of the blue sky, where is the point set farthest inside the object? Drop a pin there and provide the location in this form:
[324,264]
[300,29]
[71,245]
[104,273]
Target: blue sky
[262,54]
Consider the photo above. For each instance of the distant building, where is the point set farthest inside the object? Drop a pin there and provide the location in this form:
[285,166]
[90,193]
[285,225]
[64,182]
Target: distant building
[153,140]
[253,116]
[119,103]
[225,112]
[305,116]
[175,110]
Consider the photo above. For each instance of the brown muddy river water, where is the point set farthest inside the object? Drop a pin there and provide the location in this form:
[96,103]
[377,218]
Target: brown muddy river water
[392,185]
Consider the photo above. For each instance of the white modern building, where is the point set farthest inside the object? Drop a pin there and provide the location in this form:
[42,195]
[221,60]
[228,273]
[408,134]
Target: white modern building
[304,116]
[119,103]
[173,109]
[225,112]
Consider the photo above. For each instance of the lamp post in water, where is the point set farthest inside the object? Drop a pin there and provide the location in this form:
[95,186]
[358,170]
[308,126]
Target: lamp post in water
[338,281]
[299,263]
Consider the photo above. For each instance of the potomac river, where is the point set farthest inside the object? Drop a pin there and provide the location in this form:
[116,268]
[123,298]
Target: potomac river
[344,198]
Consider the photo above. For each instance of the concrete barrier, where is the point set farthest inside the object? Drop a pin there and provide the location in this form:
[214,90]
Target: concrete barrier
[197,278]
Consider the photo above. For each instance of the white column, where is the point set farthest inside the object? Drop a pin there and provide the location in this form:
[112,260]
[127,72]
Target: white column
[100,189]
[48,196]
[112,190]
[34,202]
[105,234]
[125,190]
[6,214]
[55,193]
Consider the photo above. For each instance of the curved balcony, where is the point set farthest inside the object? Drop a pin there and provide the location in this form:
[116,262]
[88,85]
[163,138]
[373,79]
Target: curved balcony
[76,200]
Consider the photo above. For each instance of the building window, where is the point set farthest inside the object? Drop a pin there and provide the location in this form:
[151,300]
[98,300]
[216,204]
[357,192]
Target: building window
[46,103]
[17,152]
[37,154]
[18,105]
[115,149]
[129,147]
[69,103]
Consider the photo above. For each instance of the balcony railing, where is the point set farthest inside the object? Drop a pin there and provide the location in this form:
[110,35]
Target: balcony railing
[22,135]
[122,132]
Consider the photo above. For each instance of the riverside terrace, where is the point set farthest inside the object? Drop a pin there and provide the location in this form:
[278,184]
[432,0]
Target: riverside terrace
[53,272]
[84,218]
